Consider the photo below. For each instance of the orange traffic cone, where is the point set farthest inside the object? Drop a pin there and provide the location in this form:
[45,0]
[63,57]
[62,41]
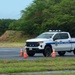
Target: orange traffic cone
[21,52]
[25,54]
[53,53]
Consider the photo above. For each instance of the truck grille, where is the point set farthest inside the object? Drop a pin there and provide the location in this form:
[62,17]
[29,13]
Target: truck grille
[32,44]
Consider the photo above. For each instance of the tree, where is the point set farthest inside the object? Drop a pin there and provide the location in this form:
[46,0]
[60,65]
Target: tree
[4,25]
[43,15]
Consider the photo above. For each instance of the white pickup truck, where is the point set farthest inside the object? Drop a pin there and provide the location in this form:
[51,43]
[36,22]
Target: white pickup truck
[45,42]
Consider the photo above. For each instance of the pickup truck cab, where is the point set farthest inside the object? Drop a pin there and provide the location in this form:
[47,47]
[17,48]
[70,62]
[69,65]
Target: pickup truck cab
[47,41]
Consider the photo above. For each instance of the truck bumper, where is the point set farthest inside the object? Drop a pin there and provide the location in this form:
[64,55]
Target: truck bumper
[36,50]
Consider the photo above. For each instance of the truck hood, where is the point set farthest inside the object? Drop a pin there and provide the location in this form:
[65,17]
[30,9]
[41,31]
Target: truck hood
[37,40]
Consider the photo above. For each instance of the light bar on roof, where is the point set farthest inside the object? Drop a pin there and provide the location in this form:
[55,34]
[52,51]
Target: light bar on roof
[54,30]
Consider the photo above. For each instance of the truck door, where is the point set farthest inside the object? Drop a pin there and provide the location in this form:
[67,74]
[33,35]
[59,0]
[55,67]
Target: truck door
[62,42]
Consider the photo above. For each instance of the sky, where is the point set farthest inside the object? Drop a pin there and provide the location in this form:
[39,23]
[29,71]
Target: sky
[11,9]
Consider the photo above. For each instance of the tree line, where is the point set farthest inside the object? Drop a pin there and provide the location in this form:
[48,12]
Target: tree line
[43,15]
[4,24]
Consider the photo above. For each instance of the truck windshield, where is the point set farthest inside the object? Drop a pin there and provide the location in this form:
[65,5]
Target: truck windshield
[45,36]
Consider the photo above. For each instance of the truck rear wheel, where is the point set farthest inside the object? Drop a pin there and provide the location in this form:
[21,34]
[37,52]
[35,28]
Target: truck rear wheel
[47,51]
[74,51]
[30,53]
[61,53]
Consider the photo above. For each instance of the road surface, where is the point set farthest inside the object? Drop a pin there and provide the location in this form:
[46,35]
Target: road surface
[14,54]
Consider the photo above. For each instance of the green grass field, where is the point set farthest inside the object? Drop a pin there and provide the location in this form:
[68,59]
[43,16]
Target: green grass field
[40,65]
[12,44]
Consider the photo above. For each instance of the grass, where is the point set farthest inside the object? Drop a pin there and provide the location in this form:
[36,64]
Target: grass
[14,39]
[11,44]
[45,64]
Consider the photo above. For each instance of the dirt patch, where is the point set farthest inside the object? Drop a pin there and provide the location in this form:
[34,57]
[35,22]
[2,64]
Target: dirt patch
[11,35]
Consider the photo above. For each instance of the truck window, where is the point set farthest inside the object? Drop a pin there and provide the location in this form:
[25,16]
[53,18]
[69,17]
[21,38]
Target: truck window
[61,36]
[57,36]
[64,36]
[45,36]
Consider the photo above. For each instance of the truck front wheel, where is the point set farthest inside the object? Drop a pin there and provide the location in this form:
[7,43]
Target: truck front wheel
[47,51]
[74,51]
[61,53]
[30,53]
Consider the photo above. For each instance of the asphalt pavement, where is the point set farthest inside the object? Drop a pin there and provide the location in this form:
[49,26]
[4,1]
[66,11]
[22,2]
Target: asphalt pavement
[14,54]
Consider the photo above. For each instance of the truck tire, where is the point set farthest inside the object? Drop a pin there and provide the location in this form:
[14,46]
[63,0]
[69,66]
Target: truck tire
[74,51]
[47,51]
[30,53]
[61,53]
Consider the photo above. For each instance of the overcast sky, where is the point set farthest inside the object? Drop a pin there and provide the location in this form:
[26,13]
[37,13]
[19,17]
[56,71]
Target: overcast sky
[11,9]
